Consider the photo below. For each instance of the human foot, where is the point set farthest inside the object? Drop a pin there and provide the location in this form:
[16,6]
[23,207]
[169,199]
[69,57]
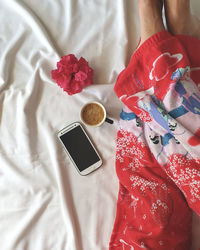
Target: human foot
[180,19]
[150,13]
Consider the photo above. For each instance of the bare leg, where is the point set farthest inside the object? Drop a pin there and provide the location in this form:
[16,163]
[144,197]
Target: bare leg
[179,18]
[150,13]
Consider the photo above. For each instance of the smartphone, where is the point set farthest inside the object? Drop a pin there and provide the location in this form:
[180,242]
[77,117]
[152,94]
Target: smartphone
[79,148]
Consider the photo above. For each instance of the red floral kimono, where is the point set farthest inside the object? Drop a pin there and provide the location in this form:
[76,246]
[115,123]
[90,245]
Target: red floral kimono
[158,145]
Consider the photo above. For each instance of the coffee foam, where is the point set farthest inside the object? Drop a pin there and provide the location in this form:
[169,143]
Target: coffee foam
[92,114]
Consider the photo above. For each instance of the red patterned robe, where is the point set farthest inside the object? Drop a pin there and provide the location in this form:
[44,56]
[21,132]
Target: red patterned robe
[158,145]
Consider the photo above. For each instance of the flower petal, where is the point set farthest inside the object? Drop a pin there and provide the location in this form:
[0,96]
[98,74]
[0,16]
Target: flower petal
[80,76]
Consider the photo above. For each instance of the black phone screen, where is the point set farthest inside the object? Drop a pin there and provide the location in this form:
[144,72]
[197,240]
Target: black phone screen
[79,147]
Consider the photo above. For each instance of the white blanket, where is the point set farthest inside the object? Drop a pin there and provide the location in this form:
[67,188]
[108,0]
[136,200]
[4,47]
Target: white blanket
[44,203]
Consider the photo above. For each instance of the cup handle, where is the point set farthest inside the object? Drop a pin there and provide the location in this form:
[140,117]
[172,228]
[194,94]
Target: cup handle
[109,120]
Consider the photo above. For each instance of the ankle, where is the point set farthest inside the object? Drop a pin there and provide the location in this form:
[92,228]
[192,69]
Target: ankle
[150,12]
[145,4]
[178,16]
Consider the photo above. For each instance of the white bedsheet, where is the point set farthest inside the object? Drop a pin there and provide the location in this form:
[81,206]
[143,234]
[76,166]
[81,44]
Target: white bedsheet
[44,203]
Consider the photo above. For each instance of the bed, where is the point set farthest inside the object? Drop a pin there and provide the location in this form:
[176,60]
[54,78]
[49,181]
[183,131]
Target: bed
[44,203]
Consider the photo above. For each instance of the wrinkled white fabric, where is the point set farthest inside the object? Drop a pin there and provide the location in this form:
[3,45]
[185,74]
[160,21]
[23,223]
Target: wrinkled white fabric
[44,203]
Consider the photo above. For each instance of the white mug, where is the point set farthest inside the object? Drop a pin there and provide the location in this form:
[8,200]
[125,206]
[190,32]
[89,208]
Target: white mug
[96,114]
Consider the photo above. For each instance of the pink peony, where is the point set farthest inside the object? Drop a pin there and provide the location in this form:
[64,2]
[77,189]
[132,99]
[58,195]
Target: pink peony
[72,75]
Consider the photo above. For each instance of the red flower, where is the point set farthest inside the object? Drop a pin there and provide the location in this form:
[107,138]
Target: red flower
[72,74]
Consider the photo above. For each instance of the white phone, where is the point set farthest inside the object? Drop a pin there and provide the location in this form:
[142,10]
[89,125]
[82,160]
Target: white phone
[80,148]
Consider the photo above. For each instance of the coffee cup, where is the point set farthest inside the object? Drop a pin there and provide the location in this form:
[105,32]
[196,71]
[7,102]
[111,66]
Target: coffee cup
[94,114]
